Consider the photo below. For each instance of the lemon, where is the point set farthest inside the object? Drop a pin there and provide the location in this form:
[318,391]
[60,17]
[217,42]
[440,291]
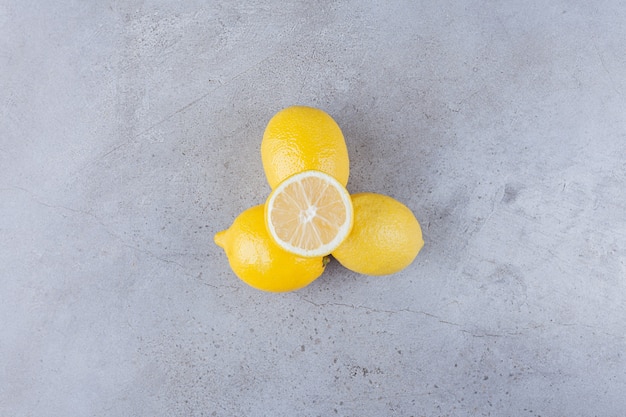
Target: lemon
[300,138]
[257,260]
[386,237]
[309,214]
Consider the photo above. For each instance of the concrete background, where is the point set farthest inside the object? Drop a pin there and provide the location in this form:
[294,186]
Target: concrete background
[130,134]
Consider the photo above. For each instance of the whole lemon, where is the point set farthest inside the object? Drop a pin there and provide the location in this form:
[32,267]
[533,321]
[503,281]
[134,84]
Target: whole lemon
[261,263]
[300,138]
[385,238]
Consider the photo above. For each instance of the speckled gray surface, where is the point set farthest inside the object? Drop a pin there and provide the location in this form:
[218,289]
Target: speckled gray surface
[130,134]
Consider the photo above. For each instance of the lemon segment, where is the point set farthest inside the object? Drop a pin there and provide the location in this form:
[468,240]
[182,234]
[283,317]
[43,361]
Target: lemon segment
[309,214]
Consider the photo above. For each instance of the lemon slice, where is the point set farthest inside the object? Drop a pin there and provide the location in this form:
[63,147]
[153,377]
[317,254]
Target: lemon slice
[309,214]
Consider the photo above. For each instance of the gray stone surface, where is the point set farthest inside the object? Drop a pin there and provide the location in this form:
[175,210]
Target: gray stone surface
[130,134]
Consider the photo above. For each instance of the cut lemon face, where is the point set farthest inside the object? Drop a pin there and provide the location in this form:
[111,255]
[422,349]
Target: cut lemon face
[309,214]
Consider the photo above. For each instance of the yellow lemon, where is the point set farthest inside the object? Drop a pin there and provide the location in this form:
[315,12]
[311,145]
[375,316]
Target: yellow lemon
[309,214]
[386,236]
[257,260]
[300,138]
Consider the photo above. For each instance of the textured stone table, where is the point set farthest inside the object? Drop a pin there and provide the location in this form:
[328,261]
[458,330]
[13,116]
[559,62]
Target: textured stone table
[130,134]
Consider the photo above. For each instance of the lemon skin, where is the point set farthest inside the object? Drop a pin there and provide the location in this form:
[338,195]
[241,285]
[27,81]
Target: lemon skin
[258,261]
[300,138]
[385,238]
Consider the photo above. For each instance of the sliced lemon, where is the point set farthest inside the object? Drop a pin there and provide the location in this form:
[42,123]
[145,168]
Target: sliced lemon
[309,214]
